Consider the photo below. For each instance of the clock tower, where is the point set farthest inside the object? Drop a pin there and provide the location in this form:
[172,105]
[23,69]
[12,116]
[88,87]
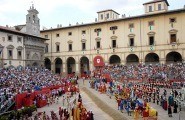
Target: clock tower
[32,22]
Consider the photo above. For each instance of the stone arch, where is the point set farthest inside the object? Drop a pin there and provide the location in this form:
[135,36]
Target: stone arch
[132,59]
[173,57]
[84,65]
[114,59]
[71,65]
[47,63]
[151,58]
[58,65]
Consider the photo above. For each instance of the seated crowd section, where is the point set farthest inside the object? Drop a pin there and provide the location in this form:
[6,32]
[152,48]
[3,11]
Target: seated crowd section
[156,72]
[30,82]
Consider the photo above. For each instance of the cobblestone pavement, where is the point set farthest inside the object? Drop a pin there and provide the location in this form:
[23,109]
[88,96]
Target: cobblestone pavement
[162,114]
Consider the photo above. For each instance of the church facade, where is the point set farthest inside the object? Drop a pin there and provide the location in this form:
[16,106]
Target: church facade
[158,36]
[22,45]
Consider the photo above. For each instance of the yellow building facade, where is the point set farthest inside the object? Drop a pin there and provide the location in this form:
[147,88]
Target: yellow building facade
[158,36]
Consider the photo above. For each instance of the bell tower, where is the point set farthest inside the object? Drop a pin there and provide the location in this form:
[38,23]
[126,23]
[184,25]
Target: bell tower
[32,22]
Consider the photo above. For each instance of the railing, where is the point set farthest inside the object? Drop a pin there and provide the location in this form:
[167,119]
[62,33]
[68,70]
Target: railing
[3,99]
[7,105]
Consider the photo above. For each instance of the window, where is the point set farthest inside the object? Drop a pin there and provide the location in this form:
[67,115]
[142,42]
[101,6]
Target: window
[172,20]
[131,41]
[28,55]
[57,48]
[83,32]
[159,6]
[102,16]
[98,31]
[10,37]
[151,40]
[57,35]
[83,46]
[69,33]
[131,25]
[46,49]
[70,47]
[19,39]
[33,18]
[98,44]
[151,25]
[113,43]
[19,55]
[10,56]
[113,32]
[150,8]
[173,38]
[107,15]
[46,36]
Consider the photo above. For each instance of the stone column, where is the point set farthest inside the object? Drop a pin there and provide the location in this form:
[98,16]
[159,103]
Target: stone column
[77,69]
[162,61]
[64,69]
[91,67]
[53,67]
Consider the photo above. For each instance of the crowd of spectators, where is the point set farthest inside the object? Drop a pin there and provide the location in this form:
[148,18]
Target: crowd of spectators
[15,81]
[142,71]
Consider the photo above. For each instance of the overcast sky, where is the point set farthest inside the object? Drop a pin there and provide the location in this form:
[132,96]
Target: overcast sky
[53,12]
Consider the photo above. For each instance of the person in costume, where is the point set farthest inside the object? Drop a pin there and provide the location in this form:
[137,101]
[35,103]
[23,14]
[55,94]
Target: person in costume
[128,108]
[169,111]
[170,100]
[175,107]
[136,113]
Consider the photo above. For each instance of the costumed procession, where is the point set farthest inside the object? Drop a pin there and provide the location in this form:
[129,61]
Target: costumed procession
[134,95]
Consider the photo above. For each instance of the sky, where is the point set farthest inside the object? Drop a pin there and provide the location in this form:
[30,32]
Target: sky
[65,12]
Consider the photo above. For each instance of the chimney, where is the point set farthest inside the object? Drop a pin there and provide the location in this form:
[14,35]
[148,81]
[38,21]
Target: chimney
[77,23]
[123,16]
[69,24]
[6,26]
[184,6]
[60,25]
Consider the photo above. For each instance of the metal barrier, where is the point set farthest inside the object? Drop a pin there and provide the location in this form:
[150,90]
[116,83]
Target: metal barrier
[7,106]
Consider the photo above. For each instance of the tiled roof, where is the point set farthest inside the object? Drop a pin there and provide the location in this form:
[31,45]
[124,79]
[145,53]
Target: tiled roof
[154,1]
[119,19]
[6,29]
[108,10]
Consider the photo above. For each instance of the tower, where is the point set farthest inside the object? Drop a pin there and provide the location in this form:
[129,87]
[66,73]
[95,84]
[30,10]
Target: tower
[32,22]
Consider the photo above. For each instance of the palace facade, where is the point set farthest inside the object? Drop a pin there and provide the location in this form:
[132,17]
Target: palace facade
[158,36]
[22,45]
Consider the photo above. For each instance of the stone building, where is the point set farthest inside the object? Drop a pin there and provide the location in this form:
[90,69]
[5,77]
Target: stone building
[158,36]
[22,45]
